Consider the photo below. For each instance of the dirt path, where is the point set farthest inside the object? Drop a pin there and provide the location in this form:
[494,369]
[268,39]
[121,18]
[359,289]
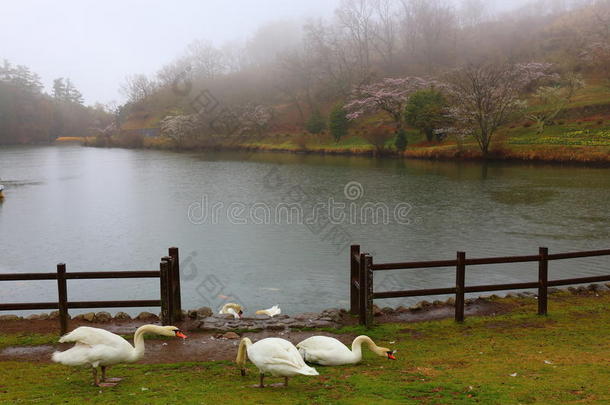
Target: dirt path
[198,347]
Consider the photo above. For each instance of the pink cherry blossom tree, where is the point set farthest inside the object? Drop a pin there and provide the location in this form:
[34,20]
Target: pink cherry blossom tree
[487,96]
[389,95]
[256,118]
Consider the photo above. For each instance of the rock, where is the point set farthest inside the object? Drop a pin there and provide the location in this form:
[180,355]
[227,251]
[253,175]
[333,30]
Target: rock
[553,290]
[306,316]
[402,309]
[147,316]
[602,287]
[33,317]
[204,312]
[54,315]
[437,303]
[43,316]
[387,310]
[103,316]
[450,301]
[421,305]
[122,316]
[9,318]
[89,316]
[230,335]
[333,314]
[376,310]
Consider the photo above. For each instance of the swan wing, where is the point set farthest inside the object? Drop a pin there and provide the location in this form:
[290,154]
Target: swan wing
[82,354]
[324,350]
[94,336]
[275,354]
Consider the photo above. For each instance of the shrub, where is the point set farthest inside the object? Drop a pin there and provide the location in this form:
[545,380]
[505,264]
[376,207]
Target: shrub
[424,111]
[316,123]
[377,137]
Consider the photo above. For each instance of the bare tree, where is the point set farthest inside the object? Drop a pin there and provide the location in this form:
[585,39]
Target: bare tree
[429,30]
[486,96]
[385,30]
[137,88]
[207,61]
[356,18]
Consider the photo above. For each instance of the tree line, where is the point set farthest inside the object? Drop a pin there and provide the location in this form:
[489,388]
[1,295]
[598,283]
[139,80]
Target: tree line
[432,65]
[29,115]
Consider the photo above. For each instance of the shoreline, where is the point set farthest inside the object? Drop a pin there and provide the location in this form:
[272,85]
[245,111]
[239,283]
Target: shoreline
[205,320]
[565,158]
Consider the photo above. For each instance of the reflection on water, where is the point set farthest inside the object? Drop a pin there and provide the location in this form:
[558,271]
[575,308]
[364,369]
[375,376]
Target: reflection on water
[121,209]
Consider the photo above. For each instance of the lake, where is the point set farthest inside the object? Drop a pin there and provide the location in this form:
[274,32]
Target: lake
[236,219]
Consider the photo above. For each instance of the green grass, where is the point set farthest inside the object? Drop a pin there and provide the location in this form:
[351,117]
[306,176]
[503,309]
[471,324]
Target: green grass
[439,362]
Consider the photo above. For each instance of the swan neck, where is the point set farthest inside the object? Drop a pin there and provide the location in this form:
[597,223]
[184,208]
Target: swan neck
[357,346]
[138,340]
[242,351]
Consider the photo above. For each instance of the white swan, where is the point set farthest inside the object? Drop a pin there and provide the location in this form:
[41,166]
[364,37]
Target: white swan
[100,348]
[232,309]
[329,351]
[271,312]
[275,356]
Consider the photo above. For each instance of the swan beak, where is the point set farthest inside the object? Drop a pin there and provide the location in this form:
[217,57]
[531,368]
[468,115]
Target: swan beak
[391,355]
[181,335]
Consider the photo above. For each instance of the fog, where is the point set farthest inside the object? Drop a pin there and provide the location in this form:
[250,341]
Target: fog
[97,44]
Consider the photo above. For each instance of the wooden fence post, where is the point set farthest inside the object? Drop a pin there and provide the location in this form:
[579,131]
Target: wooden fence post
[62,295]
[175,276]
[164,268]
[362,293]
[460,280]
[543,280]
[369,290]
[353,276]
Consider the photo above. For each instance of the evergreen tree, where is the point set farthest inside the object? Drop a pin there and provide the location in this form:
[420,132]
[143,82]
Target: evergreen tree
[338,122]
[401,140]
[59,89]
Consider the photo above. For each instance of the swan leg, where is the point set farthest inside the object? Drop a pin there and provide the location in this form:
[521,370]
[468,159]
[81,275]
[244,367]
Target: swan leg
[280,384]
[110,380]
[261,383]
[96,379]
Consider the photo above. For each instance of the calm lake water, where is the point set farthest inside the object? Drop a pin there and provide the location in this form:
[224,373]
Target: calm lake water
[113,209]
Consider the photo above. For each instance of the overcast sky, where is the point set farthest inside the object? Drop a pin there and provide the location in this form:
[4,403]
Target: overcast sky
[97,43]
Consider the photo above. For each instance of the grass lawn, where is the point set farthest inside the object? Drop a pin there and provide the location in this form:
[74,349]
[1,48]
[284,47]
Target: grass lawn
[509,359]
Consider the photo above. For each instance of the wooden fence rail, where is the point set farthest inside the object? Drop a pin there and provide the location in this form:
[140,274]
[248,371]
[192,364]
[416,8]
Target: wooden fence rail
[362,270]
[169,286]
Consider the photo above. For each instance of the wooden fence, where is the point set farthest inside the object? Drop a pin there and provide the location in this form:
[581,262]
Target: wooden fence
[362,269]
[169,285]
